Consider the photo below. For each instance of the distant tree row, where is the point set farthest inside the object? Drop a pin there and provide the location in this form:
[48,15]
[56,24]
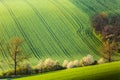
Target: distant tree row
[18,57]
[109,29]
[49,64]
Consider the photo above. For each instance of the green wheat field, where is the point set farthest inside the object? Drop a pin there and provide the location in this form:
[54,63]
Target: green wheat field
[57,29]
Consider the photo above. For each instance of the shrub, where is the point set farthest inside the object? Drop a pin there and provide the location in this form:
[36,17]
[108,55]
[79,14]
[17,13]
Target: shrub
[1,74]
[47,65]
[87,60]
[28,69]
[101,61]
[24,69]
[49,62]
[95,62]
[51,65]
[58,67]
[76,63]
[36,71]
[65,63]
[70,65]
[8,73]
[40,64]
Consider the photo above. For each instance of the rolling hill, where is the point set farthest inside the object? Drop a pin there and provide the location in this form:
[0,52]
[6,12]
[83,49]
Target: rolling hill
[109,71]
[58,29]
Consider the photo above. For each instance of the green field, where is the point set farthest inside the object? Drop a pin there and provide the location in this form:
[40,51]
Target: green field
[109,71]
[57,29]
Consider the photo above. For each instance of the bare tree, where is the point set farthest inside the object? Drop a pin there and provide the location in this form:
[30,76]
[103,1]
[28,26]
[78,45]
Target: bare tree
[111,39]
[108,50]
[15,52]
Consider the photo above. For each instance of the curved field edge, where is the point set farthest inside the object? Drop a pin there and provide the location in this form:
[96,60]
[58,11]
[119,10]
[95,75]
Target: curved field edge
[108,71]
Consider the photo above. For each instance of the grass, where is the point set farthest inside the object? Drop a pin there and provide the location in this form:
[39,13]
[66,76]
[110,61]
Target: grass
[108,71]
[59,29]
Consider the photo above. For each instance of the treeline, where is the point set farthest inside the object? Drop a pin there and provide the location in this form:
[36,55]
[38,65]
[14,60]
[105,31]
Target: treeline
[49,64]
[108,26]
[18,60]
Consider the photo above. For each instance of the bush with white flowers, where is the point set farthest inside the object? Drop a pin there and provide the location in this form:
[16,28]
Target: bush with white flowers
[49,62]
[87,60]
[40,65]
[70,65]
[76,63]
[47,65]
[101,61]
[65,63]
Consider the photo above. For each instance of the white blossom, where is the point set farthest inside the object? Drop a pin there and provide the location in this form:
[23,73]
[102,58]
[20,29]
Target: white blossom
[65,63]
[101,61]
[87,60]
[40,64]
[49,62]
[76,63]
[70,65]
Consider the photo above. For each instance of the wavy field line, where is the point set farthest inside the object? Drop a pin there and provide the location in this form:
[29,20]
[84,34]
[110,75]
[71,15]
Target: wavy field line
[60,29]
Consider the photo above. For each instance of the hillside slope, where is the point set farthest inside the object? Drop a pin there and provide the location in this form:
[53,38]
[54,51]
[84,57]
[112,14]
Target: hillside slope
[109,71]
[59,29]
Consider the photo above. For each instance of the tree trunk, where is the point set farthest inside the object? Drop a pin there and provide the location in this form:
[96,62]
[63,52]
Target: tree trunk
[109,53]
[109,57]
[15,65]
[15,60]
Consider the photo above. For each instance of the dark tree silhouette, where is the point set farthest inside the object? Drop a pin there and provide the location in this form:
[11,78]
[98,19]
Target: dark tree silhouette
[109,28]
[99,21]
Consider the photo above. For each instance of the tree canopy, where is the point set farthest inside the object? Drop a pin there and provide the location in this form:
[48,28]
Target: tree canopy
[109,29]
